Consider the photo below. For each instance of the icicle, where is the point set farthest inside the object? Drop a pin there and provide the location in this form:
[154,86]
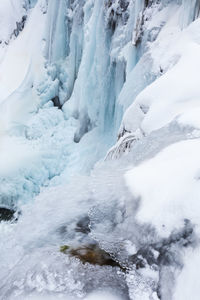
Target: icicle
[56,31]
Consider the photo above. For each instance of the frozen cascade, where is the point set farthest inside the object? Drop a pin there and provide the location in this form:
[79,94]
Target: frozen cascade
[85,227]
[67,52]
[56,32]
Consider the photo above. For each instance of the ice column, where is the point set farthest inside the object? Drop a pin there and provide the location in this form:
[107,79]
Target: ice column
[56,35]
[191,11]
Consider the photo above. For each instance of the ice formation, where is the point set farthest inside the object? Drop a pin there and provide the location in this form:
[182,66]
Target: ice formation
[99,145]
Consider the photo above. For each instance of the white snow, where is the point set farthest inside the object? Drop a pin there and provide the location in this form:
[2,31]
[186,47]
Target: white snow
[15,154]
[187,286]
[22,56]
[103,295]
[69,51]
[10,13]
[175,94]
[168,187]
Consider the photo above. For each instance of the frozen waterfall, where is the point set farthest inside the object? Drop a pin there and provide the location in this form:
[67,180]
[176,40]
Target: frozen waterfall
[99,149]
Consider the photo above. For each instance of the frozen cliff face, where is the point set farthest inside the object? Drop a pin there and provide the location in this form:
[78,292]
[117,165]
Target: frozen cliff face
[69,76]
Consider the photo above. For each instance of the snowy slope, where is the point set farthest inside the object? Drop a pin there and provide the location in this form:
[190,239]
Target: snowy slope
[11,13]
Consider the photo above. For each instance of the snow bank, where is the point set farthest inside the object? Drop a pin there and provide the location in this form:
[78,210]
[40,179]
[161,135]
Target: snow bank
[173,95]
[168,186]
[187,286]
[22,56]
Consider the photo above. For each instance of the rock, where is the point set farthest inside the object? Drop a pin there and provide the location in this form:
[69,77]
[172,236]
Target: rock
[56,102]
[83,225]
[91,254]
[6,214]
